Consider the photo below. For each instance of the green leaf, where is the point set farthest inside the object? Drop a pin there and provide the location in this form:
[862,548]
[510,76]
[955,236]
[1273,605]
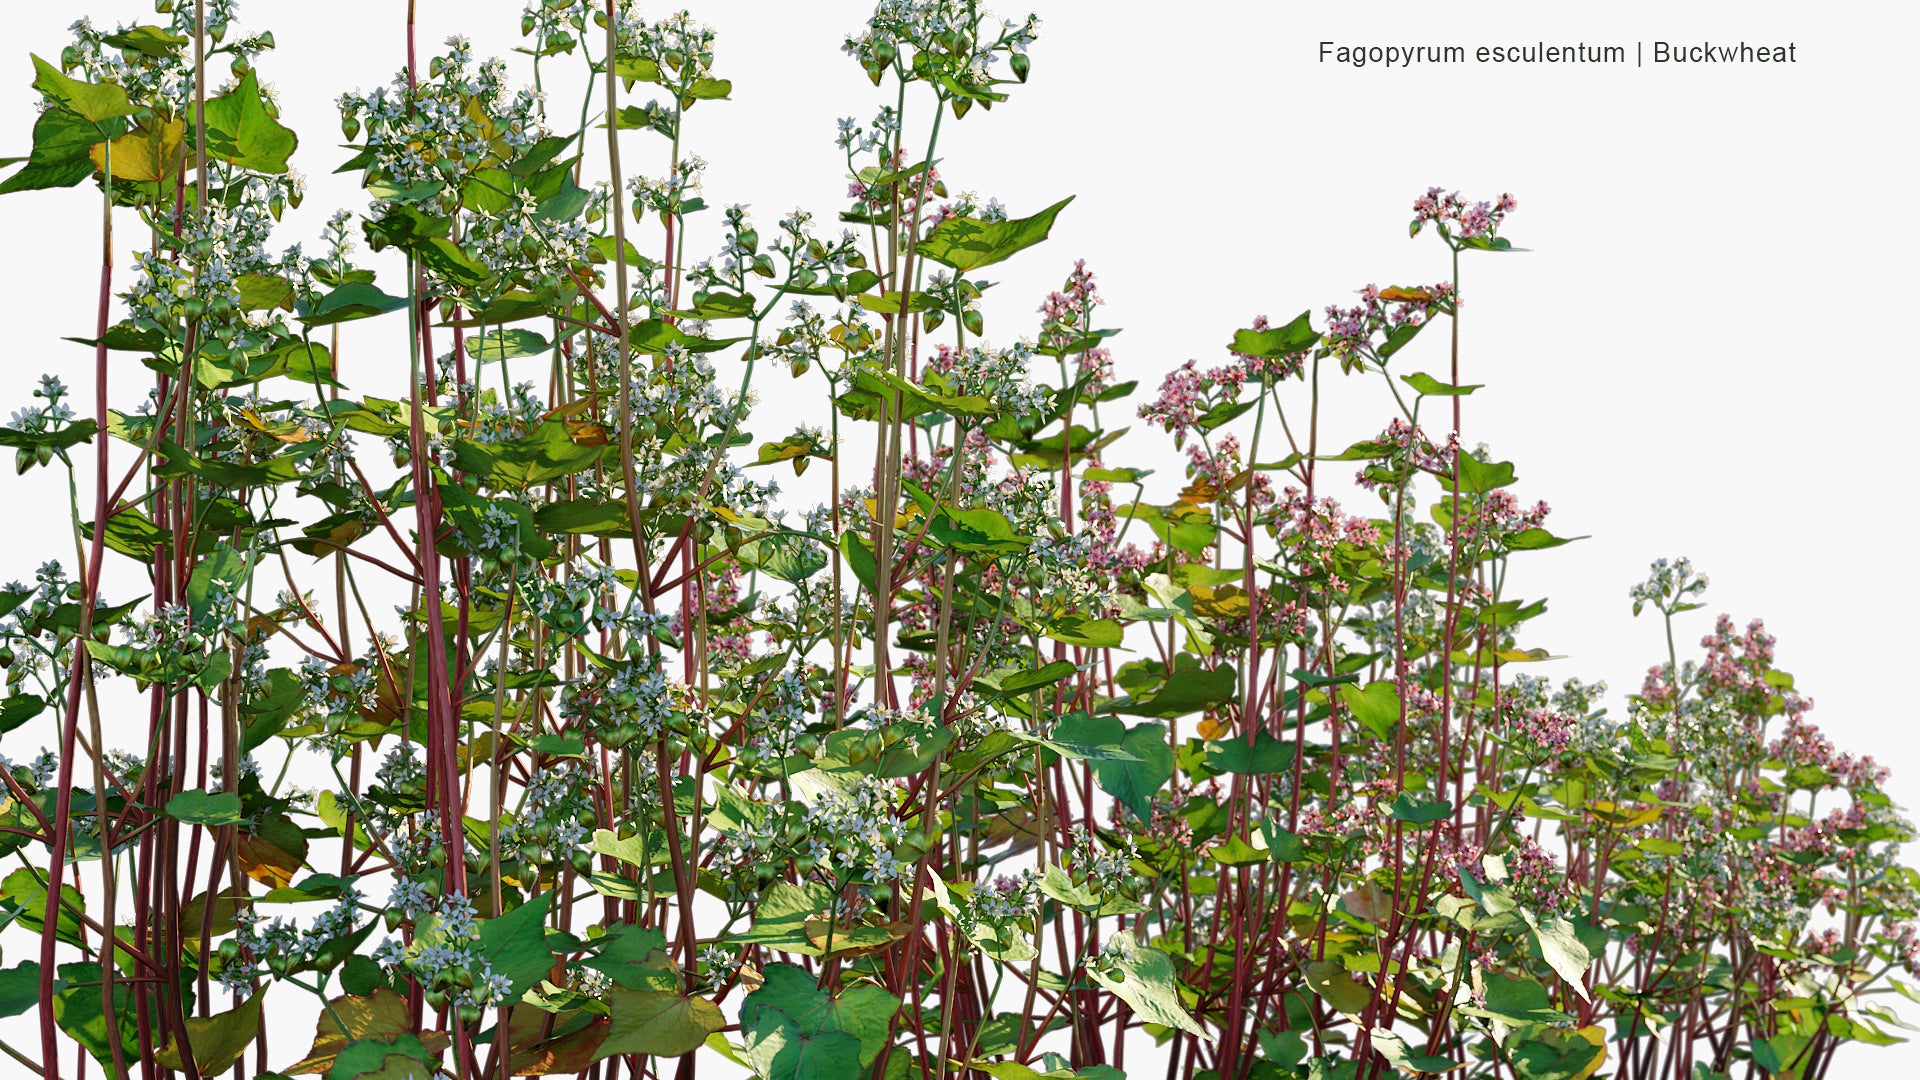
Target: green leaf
[1557,1053]
[25,893]
[264,292]
[77,1010]
[1284,1048]
[1432,387]
[590,516]
[1537,539]
[1188,689]
[659,1023]
[1283,846]
[240,131]
[708,90]
[506,345]
[1143,977]
[546,453]
[302,361]
[1268,754]
[631,850]
[859,558]
[20,708]
[361,976]
[779,1050]
[93,101]
[1516,1002]
[1134,783]
[786,557]
[1401,1056]
[1377,707]
[19,988]
[864,1011]
[654,335]
[1234,851]
[1783,1055]
[203,808]
[225,571]
[1486,243]
[150,153]
[452,262]
[354,300]
[61,156]
[398,1057]
[637,959]
[1278,341]
[1407,807]
[967,243]
[1479,477]
[1025,681]
[1561,948]
[979,530]
[780,921]
[516,945]
[148,41]
[1336,986]
[181,463]
[1084,632]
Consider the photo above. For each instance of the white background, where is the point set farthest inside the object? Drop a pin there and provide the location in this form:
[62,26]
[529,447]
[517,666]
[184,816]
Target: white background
[1707,352]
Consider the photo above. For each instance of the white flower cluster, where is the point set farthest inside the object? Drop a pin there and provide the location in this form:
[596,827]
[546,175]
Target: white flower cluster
[852,835]
[448,127]
[49,416]
[523,243]
[1669,584]
[448,957]
[282,945]
[558,26]
[944,25]
[549,826]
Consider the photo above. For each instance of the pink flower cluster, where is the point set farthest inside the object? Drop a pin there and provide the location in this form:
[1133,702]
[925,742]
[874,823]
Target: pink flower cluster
[1802,743]
[1097,516]
[1548,729]
[1740,662]
[1904,939]
[1313,530]
[1217,468]
[1183,397]
[1497,517]
[1657,687]
[1823,836]
[1344,819]
[1064,314]
[1534,876]
[1410,444]
[1475,219]
[1351,332]
[716,600]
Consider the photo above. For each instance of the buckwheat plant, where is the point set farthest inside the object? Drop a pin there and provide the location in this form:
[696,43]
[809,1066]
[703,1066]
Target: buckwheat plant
[561,717]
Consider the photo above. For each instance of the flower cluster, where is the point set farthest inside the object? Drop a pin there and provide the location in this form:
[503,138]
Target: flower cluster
[443,130]
[1472,220]
[448,958]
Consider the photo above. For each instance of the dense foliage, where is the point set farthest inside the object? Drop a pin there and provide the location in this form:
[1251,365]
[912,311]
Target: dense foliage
[528,727]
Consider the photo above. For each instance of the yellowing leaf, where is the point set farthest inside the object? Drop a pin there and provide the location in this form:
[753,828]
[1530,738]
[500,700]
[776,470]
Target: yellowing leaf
[381,1015]
[217,1040]
[151,152]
